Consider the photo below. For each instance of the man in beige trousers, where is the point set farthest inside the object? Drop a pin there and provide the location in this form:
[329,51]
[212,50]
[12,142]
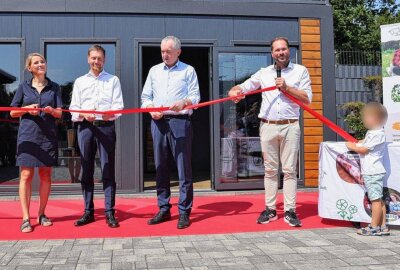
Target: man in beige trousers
[279,130]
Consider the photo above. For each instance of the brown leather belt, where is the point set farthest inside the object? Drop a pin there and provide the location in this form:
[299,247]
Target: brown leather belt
[279,122]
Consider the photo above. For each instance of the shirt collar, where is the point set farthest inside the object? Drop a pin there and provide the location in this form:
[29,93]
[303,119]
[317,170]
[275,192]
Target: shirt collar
[174,66]
[289,66]
[90,74]
[49,82]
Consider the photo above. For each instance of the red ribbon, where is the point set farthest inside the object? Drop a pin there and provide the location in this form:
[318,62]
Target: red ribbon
[323,119]
[317,115]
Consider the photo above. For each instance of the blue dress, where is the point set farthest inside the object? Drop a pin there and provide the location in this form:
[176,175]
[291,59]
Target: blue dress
[37,144]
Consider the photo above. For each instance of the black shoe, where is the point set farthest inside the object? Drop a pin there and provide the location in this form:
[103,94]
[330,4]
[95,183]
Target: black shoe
[184,221]
[160,217]
[292,219]
[111,221]
[266,216]
[85,219]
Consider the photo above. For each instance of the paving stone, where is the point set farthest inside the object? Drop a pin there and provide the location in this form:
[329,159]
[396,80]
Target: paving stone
[53,261]
[242,253]
[317,264]
[198,262]
[215,254]
[275,248]
[28,261]
[149,251]
[385,267]
[286,257]
[129,258]
[274,266]
[337,248]
[94,266]
[308,249]
[233,261]
[89,241]
[163,262]
[122,265]
[361,261]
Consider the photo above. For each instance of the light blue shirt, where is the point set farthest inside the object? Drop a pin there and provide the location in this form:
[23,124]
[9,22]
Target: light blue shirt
[164,86]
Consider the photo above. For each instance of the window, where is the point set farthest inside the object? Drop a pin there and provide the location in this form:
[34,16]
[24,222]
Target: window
[240,146]
[66,62]
[241,158]
[10,77]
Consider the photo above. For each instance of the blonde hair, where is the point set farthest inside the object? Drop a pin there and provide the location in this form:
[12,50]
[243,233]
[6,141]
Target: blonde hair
[376,109]
[28,60]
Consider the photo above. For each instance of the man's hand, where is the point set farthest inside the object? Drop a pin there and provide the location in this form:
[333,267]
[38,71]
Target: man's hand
[178,106]
[237,92]
[88,116]
[33,112]
[155,115]
[281,84]
[107,117]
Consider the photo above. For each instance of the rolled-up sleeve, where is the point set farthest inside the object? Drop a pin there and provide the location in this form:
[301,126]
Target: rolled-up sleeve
[305,84]
[147,93]
[253,83]
[193,87]
[75,103]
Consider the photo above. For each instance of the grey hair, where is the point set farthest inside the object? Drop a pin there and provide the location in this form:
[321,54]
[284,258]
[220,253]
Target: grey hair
[177,42]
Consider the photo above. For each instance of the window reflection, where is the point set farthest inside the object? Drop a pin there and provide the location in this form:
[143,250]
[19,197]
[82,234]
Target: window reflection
[241,158]
[66,62]
[10,66]
[241,155]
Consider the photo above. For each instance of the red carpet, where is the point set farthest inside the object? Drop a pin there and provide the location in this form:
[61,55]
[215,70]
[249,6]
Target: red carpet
[210,215]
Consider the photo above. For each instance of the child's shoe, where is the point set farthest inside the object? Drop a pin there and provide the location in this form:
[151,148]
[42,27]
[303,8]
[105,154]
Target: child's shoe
[370,231]
[385,230]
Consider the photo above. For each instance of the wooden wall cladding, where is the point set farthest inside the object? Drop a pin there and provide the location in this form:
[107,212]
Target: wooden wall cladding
[310,37]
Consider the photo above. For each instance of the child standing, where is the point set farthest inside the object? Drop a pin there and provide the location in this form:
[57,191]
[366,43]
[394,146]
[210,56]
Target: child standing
[371,150]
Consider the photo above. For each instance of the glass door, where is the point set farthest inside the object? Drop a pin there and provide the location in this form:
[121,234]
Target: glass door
[238,156]
[238,151]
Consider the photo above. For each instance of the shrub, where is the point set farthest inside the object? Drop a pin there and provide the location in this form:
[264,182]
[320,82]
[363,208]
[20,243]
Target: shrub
[352,118]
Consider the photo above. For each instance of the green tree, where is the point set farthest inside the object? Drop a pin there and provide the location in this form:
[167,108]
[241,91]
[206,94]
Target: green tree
[357,22]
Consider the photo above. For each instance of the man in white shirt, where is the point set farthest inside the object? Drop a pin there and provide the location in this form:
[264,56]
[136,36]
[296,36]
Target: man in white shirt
[279,129]
[174,84]
[101,91]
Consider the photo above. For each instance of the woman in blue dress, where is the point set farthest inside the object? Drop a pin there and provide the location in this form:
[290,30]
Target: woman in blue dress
[37,136]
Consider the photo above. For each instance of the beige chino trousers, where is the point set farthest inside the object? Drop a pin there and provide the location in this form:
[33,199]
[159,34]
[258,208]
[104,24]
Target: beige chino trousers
[280,145]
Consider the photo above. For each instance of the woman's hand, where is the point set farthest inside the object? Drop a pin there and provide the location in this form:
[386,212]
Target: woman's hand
[33,112]
[48,110]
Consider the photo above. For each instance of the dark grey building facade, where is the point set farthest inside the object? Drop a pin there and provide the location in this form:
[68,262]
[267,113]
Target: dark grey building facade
[226,41]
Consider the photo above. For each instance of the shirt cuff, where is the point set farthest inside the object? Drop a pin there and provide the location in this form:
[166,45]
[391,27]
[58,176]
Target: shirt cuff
[146,103]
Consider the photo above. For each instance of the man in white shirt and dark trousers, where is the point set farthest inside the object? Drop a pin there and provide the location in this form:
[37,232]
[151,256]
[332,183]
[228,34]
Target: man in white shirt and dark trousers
[172,84]
[101,91]
[279,129]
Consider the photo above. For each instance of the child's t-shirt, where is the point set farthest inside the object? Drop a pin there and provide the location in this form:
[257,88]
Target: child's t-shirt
[372,163]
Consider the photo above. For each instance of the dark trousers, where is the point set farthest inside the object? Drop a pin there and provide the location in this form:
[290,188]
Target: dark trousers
[173,136]
[102,138]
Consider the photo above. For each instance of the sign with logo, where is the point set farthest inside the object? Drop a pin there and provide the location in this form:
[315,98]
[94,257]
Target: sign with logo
[390,38]
[342,194]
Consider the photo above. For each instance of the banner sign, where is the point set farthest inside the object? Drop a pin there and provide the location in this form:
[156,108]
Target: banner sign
[390,38]
[342,194]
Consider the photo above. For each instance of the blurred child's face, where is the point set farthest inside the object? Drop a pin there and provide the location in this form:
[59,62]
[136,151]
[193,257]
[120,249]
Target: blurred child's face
[371,121]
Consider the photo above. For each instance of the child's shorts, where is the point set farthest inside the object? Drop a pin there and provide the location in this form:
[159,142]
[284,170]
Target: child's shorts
[374,185]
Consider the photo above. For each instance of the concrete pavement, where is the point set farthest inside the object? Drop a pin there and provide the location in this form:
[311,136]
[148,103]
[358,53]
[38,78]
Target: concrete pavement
[337,248]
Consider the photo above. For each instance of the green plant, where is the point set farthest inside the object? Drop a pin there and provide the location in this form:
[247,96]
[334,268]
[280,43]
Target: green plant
[374,85]
[352,118]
